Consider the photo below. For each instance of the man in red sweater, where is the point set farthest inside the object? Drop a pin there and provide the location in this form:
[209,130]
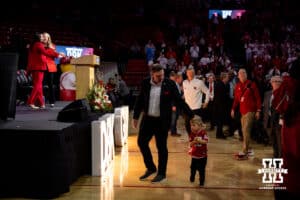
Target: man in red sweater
[246,96]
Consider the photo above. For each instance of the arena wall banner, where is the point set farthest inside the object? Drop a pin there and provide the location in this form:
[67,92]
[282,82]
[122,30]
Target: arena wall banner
[73,51]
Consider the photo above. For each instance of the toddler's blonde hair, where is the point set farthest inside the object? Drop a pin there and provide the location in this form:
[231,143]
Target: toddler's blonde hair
[196,120]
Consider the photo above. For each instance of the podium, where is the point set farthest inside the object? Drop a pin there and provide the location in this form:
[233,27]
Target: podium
[85,73]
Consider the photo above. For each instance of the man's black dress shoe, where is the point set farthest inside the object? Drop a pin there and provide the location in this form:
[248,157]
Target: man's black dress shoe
[158,178]
[147,174]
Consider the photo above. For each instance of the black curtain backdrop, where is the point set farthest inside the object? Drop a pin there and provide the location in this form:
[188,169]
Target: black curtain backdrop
[8,72]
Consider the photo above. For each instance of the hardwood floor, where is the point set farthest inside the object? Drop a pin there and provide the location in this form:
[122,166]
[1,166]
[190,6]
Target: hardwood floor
[226,178]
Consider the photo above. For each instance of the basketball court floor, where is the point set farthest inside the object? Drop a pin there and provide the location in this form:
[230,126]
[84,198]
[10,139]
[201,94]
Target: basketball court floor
[226,178]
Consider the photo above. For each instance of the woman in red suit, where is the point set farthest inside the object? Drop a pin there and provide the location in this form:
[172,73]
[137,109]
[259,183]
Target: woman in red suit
[51,68]
[37,65]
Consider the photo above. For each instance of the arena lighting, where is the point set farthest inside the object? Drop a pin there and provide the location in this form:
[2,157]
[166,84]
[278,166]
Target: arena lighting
[233,14]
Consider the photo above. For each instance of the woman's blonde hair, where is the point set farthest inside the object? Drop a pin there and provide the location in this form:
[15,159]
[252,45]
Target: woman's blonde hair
[49,40]
[196,120]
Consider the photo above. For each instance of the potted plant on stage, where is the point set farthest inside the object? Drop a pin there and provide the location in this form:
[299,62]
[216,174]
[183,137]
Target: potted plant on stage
[98,98]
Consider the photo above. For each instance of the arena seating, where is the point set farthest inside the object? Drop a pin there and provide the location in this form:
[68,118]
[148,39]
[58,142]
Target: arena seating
[136,71]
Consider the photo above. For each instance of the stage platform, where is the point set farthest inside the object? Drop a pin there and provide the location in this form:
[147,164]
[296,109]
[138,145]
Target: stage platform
[41,157]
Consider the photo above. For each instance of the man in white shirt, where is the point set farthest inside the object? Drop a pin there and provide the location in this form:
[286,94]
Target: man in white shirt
[193,90]
[163,61]
[194,52]
[205,60]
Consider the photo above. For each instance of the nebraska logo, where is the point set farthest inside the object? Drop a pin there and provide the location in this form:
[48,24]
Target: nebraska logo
[272,170]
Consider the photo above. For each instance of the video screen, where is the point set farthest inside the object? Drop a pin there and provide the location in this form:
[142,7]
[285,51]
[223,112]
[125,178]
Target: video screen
[233,14]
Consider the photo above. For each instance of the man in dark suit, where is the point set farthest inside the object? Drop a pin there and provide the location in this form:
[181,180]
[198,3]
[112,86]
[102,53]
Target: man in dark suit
[221,104]
[155,101]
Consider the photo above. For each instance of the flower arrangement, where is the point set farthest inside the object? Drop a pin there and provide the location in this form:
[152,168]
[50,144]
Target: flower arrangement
[98,99]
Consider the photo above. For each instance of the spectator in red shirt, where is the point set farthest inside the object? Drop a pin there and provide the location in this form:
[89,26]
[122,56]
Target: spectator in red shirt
[276,61]
[246,96]
[198,142]
[171,53]
[186,57]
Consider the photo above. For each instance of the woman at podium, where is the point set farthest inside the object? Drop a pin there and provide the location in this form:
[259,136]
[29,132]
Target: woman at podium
[37,65]
[51,68]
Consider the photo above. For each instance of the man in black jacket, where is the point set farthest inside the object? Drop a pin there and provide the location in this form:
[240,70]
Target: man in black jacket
[155,101]
[221,104]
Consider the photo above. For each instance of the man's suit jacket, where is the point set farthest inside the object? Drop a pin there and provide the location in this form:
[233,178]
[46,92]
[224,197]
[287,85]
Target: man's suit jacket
[221,105]
[266,108]
[169,94]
